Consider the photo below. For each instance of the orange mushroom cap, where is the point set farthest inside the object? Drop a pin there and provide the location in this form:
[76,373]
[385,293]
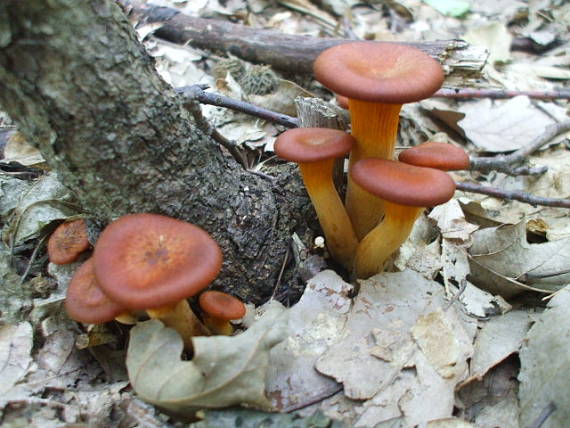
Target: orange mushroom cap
[67,242]
[436,155]
[148,260]
[403,184]
[85,301]
[221,305]
[379,72]
[304,145]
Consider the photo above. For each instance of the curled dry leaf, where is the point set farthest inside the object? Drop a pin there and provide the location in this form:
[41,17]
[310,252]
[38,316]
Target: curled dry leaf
[225,371]
[506,252]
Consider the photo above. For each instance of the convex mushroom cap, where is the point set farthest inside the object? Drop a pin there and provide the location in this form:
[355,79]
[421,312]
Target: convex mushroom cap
[304,145]
[379,72]
[67,242]
[147,261]
[404,184]
[221,305]
[86,302]
[445,157]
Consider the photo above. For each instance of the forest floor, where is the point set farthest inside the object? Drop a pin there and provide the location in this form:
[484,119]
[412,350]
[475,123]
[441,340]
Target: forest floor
[470,326]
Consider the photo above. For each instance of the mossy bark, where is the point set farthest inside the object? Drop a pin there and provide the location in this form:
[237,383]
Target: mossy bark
[81,87]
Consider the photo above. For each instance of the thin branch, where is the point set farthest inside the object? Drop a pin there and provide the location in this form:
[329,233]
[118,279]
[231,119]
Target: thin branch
[510,164]
[516,195]
[496,94]
[197,92]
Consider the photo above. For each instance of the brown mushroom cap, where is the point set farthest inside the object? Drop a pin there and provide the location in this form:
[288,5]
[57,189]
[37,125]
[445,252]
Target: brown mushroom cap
[148,260]
[85,301]
[403,184]
[67,242]
[221,305]
[304,145]
[379,72]
[436,155]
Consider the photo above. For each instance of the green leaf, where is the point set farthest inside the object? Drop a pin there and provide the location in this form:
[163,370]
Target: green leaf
[225,371]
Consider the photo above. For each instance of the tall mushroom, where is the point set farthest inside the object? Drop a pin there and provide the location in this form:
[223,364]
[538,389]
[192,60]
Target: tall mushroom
[377,78]
[315,150]
[436,155]
[407,191]
[154,262]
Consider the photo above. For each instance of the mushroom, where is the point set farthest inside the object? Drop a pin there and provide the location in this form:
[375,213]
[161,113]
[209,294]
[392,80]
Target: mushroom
[315,150]
[407,190]
[377,78]
[86,302]
[219,309]
[67,242]
[154,262]
[436,155]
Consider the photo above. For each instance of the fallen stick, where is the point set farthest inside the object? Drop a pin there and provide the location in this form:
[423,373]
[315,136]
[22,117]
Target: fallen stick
[285,52]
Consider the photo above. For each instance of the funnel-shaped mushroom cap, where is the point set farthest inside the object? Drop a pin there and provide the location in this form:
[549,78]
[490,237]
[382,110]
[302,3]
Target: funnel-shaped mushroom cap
[221,305]
[147,260]
[436,155]
[85,301]
[305,145]
[379,72]
[403,184]
[67,242]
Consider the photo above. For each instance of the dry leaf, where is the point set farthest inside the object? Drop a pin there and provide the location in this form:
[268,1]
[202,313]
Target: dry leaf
[315,322]
[391,329]
[545,365]
[224,371]
[495,37]
[505,251]
[501,126]
[16,343]
[498,338]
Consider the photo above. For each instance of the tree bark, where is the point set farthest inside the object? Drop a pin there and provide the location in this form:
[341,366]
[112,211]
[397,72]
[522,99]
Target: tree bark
[81,88]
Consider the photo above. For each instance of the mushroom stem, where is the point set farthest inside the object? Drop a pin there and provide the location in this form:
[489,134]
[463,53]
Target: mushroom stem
[126,318]
[218,326]
[333,218]
[181,318]
[375,129]
[385,239]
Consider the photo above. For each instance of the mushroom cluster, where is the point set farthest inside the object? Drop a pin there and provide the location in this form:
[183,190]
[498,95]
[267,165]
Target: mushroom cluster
[150,263]
[383,196]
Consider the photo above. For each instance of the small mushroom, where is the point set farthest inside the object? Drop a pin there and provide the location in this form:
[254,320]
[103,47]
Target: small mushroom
[219,309]
[436,155]
[154,262]
[377,78]
[86,302]
[67,242]
[407,191]
[315,150]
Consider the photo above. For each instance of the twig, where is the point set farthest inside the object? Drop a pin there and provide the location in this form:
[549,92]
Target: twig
[496,94]
[314,400]
[516,195]
[198,93]
[510,164]
[543,416]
